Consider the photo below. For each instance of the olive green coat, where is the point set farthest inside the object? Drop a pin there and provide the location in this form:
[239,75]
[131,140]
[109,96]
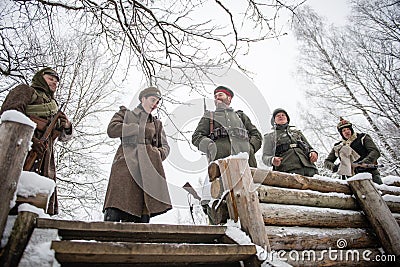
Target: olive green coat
[18,99]
[295,160]
[137,183]
[226,146]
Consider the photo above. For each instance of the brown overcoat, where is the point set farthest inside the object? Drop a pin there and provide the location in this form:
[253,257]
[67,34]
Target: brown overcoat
[18,99]
[137,183]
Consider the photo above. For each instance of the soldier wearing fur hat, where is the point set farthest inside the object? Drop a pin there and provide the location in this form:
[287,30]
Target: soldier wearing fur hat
[358,148]
[286,149]
[226,132]
[37,102]
[137,188]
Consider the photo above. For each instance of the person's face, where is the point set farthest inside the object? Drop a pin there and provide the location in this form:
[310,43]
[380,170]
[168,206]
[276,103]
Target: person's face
[280,118]
[222,99]
[346,132]
[51,82]
[150,103]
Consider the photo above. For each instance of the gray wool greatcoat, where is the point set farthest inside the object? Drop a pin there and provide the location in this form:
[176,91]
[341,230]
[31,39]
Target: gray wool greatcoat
[137,183]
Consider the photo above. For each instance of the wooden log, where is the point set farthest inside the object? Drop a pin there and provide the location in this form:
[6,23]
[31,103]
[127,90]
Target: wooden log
[270,194]
[394,183]
[236,174]
[378,213]
[295,181]
[293,215]
[217,188]
[213,171]
[165,253]
[302,238]
[333,257]
[40,200]
[15,140]
[19,238]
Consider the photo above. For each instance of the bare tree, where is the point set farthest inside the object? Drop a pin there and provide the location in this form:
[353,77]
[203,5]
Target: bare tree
[354,71]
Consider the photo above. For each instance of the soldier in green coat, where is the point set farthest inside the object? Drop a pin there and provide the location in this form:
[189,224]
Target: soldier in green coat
[222,133]
[286,149]
[226,132]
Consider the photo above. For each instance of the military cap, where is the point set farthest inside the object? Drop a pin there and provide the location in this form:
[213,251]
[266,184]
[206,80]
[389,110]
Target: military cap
[51,72]
[150,91]
[223,89]
[276,111]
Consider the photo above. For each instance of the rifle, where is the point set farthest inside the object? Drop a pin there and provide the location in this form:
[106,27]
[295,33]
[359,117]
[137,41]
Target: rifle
[366,165]
[33,161]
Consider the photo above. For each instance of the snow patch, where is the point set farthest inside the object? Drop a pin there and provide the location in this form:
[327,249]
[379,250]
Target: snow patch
[16,116]
[360,176]
[391,198]
[33,209]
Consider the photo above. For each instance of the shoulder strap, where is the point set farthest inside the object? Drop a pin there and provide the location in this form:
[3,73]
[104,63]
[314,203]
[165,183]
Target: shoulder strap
[211,122]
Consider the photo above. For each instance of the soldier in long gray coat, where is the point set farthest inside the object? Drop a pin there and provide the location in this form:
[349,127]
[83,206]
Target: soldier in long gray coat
[137,189]
[38,103]
[286,149]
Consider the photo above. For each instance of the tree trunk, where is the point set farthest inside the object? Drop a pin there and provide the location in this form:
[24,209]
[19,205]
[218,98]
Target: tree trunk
[15,140]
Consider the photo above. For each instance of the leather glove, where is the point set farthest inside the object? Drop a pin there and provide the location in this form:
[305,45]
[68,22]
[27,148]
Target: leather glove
[212,150]
[38,146]
[335,168]
[64,122]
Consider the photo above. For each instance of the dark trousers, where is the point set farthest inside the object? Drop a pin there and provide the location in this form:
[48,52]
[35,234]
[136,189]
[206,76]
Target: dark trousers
[117,215]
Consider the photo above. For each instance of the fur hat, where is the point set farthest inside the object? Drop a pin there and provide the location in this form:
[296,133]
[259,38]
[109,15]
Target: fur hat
[51,72]
[224,89]
[150,91]
[344,124]
[276,111]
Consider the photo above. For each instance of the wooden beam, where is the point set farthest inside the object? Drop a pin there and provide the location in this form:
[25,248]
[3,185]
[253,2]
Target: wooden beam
[236,174]
[304,238]
[15,140]
[378,213]
[19,238]
[293,215]
[122,252]
[295,181]
[133,232]
[40,200]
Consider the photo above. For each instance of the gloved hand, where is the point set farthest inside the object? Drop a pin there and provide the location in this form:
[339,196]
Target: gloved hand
[64,122]
[212,150]
[335,168]
[38,146]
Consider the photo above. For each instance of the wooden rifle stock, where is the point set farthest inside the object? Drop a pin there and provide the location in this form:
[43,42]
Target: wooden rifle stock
[34,161]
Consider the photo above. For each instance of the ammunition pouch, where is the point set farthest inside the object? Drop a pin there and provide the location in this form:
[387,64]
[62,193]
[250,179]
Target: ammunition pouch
[280,149]
[221,132]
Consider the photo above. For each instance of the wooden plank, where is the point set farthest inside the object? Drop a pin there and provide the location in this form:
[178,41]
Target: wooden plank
[354,257]
[132,232]
[271,194]
[303,238]
[295,181]
[15,140]
[378,214]
[237,172]
[123,252]
[19,238]
[292,215]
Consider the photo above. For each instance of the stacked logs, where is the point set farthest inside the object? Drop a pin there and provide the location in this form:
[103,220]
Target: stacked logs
[306,217]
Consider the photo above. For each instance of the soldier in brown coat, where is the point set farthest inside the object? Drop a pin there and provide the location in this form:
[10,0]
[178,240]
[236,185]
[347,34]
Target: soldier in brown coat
[37,101]
[137,189]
